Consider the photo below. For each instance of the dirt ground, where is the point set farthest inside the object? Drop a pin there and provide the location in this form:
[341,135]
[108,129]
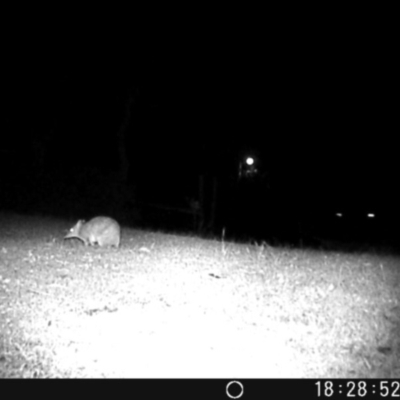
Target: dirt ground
[170,306]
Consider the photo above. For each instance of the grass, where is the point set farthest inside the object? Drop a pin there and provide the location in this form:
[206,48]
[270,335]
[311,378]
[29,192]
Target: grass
[177,306]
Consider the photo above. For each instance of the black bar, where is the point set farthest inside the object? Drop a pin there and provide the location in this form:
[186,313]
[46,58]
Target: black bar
[235,388]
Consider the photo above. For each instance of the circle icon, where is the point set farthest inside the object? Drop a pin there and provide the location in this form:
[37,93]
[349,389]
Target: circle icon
[234,390]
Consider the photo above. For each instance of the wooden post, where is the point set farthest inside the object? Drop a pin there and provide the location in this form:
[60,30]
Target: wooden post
[201,217]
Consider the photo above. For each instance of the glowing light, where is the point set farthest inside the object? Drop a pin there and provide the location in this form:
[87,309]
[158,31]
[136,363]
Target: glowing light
[339,215]
[249,160]
[370,215]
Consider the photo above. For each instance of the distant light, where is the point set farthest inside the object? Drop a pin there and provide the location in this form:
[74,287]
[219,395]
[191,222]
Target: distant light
[339,215]
[249,160]
[371,215]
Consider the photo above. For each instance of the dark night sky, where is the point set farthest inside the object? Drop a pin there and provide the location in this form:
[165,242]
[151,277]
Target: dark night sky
[321,115]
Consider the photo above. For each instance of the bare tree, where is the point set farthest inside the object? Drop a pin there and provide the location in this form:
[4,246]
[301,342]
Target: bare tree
[123,191]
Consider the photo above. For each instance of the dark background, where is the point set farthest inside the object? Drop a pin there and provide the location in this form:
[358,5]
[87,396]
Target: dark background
[317,111]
